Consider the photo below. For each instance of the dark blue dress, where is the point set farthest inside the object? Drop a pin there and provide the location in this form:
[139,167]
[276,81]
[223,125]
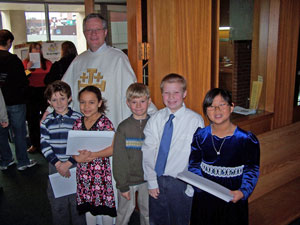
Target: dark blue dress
[236,167]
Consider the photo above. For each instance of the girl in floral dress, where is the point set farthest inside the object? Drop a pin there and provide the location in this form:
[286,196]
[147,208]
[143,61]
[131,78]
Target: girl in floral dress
[95,195]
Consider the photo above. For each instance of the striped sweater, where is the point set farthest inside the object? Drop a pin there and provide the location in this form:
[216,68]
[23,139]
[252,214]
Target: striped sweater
[54,135]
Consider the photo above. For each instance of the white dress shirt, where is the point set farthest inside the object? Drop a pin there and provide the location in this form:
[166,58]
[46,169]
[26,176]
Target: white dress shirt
[185,124]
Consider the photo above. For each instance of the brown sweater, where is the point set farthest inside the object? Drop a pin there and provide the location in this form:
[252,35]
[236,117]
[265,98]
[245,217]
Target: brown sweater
[127,154]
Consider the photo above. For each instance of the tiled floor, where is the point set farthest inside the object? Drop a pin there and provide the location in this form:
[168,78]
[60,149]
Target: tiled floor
[24,200]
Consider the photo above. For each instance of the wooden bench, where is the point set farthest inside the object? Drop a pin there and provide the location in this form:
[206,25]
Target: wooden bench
[276,198]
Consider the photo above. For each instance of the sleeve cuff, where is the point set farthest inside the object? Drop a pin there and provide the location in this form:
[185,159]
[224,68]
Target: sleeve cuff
[55,160]
[152,184]
[124,189]
[244,193]
[72,160]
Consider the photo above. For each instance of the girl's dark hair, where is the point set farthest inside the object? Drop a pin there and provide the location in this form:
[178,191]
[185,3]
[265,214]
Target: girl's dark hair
[43,60]
[98,94]
[209,97]
[68,49]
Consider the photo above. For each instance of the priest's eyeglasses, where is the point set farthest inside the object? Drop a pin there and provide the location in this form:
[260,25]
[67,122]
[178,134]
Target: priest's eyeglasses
[214,108]
[96,31]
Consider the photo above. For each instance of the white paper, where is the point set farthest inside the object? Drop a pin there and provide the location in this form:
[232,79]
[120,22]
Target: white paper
[93,141]
[243,111]
[35,58]
[206,185]
[63,186]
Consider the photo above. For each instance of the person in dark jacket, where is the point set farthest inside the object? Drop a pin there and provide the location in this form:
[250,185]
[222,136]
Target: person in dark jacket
[58,69]
[13,83]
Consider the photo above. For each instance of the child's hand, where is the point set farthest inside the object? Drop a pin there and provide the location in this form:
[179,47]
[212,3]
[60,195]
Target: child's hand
[126,195]
[57,166]
[84,156]
[64,169]
[237,195]
[154,192]
[4,124]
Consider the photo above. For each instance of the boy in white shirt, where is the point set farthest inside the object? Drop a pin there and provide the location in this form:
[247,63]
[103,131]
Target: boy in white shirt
[170,199]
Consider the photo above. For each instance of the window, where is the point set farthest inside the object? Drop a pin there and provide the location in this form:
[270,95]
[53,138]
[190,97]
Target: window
[63,26]
[118,22]
[35,26]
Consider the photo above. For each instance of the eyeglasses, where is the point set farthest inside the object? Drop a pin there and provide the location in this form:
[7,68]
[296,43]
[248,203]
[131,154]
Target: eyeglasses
[214,108]
[96,31]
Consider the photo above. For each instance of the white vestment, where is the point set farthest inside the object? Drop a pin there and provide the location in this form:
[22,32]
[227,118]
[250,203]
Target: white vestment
[108,69]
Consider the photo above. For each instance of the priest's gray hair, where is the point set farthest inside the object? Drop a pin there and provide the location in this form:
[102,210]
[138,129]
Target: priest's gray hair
[95,15]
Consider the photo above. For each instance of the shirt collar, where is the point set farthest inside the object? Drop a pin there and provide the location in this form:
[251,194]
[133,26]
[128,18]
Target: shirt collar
[101,49]
[69,113]
[178,114]
[141,119]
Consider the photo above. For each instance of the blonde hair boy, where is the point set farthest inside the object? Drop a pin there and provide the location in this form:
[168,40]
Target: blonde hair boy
[137,90]
[127,156]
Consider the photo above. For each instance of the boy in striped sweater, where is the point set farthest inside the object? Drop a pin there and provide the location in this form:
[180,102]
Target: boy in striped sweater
[54,135]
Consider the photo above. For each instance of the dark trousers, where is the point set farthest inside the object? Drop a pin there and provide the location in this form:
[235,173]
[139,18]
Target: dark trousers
[64,209]
[36,106]
[173,206]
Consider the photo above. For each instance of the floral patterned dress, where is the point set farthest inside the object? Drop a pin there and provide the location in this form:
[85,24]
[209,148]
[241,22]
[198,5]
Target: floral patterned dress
[94,179]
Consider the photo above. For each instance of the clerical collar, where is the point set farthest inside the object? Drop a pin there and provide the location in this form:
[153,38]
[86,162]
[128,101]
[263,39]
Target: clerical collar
[101,49]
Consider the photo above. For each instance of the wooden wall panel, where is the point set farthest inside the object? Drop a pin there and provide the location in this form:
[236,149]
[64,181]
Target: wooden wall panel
[179,33]
[286,61]
[279,159]
[255,41]
[262,47]
[89,6]
[270,80]
[134,30]
[215,47]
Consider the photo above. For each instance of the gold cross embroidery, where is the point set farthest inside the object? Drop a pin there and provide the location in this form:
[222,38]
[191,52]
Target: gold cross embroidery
[99,83]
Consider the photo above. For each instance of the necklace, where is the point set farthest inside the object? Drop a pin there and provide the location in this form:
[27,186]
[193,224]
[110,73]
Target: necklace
[219,151]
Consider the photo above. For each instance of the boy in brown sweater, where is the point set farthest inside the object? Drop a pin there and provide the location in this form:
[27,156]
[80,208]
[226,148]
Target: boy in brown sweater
[127,156]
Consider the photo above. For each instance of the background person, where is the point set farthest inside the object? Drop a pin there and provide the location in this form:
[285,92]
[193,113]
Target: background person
[3,112]
[58,69]
[14,84]
[36,103]
[3,118]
